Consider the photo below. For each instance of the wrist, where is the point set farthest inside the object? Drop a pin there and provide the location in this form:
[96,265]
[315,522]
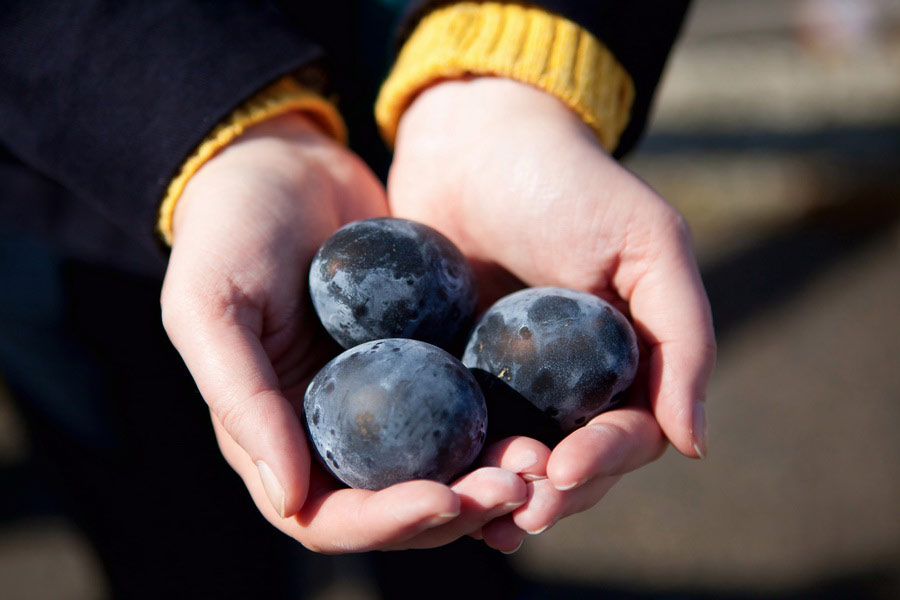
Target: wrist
[282,97]
[279,153]
[485,106]
[473,156]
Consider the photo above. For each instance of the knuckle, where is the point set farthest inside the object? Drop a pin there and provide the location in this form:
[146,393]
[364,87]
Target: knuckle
[168,309]
[706,353]
[171,318]
[247,418]
[232,415]
[178,309]
[681,229]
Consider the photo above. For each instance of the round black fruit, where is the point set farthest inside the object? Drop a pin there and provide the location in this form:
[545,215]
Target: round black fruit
[392,278]
[549,359]
[394,410]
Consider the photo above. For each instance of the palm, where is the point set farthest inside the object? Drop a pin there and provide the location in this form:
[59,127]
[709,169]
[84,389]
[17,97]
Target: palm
[541,231]
[235,305]
[520,184]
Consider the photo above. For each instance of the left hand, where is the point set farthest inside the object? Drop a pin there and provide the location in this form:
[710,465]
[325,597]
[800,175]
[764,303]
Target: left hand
[521,185]
[235,306]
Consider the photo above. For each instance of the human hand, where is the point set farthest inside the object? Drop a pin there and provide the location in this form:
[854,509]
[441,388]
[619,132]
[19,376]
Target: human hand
[521,185]
[235,306]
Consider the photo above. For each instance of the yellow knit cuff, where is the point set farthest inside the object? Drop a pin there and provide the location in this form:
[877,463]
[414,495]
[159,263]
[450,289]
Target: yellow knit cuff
[522,43]
[283,96]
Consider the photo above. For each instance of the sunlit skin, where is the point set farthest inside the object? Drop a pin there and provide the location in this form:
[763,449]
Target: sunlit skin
[235,305]
[522,186]
[517,181]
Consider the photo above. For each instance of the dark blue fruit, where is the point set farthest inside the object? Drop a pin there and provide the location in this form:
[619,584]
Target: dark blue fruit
[389,278]
[549,359]
[395,410]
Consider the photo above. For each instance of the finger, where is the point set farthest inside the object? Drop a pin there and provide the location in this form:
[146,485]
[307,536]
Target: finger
[348,520]
[544,507]
[484,495]
[235,377]
[671,313]
[521,455]
[548,505]
[586,496]
[612,443]
[504,535]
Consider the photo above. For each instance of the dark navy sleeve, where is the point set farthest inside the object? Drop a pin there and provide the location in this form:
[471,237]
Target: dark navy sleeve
[108,97]
[640,33]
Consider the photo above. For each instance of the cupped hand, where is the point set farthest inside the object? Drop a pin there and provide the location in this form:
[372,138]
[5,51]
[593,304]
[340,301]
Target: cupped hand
[235,306]
[517,180]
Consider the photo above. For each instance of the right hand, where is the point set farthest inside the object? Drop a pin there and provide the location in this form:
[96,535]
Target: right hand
[235,306]
[516,179]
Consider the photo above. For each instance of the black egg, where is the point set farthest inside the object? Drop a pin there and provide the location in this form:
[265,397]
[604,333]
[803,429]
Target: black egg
[549,359]
[394,410]
[392,278]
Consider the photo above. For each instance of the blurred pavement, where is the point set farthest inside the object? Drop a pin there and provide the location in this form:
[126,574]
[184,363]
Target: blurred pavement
[777,133]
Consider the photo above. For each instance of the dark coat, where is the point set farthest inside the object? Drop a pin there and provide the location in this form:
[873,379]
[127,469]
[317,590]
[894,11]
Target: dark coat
[101,100]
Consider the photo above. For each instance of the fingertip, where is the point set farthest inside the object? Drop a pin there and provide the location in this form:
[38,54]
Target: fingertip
[357,520]
[504,535]
[683,421]
[283,477]
[671,313]
[698,429]
[236,378]
[421,502]
[563,473]
[613,443]
[569,484]
[582,455]
[492,487]
[286,457]
[273,488]
[544,507]
[522,455]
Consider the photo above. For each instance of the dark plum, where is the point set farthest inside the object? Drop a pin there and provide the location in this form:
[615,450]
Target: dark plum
[550,359]
[392,278]
[394,410]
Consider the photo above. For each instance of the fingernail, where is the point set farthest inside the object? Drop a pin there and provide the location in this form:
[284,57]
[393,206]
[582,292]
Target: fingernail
[530,477]
[512,505]
[273,489]
[441,519]
[570,486]
[522,461]
[514,550]
[542,529]
[698,429]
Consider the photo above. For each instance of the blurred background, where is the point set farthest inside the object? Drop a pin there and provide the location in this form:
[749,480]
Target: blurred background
[777,134]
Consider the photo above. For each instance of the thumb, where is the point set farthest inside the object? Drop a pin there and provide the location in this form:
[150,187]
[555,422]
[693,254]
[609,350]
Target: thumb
[237,380]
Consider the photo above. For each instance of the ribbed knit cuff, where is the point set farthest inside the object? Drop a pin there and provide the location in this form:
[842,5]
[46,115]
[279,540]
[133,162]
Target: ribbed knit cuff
[283,96]
[510,40]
